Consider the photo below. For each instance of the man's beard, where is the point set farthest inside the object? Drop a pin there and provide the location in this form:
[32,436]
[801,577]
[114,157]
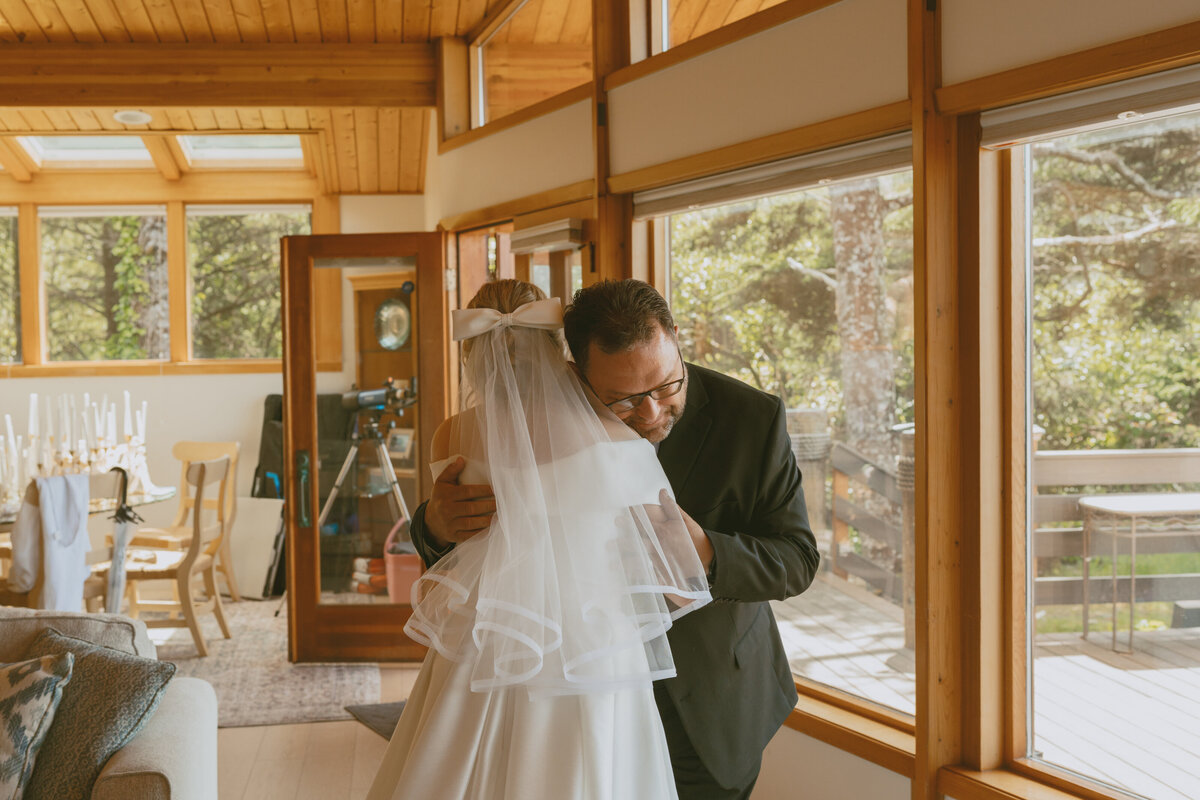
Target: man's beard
[662,430]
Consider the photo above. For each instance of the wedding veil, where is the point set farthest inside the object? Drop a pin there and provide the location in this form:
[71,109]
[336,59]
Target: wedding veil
[587,562]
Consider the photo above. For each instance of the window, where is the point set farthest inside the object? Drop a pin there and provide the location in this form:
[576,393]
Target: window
[87,151]
[687,20]
[542,50]
[245,151]
[807,295]
[1114,318]
[10,299]
[105,276]
[233,264]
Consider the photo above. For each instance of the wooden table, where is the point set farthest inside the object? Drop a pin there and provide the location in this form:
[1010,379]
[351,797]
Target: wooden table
[1132,517]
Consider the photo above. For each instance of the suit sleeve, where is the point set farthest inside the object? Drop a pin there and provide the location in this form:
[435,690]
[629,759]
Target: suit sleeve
[776,556]
[426,549]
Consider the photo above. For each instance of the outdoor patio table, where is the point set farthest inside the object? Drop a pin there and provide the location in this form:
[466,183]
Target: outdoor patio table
[1132,517]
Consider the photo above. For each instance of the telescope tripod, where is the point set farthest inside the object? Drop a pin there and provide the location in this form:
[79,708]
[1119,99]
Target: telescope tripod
[374,439]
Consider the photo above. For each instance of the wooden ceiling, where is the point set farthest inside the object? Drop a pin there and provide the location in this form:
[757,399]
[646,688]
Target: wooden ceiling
[231,21]
[355,77]
[353,149]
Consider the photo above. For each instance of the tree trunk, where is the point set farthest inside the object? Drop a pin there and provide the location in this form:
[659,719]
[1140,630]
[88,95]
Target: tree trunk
[153,240]
[857,211]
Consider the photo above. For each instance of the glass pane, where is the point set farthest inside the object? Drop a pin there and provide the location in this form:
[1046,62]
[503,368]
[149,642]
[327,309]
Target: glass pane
[10,300]
[1115,562]
[688,20]
[539,272]
[105,273]
[233,261]
[245,148]
[384,415]
[57,149]
[808,296]
[543,50]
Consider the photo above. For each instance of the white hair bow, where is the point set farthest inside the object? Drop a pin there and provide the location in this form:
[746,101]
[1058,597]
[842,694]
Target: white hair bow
[542,314]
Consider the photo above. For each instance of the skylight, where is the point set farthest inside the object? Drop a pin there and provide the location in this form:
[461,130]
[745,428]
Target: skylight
[84,150]
[271,150]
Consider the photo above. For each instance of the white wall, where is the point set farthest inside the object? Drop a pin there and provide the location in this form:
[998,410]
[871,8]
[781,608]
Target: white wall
[806,70]
[981,37]
[798,766]
[199,407]
[546,152]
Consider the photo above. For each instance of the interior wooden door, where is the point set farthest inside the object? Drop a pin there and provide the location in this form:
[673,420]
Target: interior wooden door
[327,622]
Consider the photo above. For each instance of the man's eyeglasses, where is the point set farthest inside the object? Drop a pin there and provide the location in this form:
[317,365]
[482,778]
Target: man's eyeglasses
[627,404]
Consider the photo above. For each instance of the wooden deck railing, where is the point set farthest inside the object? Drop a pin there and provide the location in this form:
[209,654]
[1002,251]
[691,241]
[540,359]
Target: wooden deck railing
[1058,525]
[879,483]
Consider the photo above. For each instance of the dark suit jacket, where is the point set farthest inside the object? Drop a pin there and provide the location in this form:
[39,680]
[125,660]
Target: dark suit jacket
[730,463]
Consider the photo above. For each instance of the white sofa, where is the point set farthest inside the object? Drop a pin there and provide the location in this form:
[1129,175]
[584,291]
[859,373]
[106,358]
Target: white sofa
[174,756]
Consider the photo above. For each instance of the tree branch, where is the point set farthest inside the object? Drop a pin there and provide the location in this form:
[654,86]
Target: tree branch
[812,273]
[1108,158]
[1106,239]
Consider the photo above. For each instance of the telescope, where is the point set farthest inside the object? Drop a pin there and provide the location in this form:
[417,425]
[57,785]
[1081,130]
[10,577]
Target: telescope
[392,396]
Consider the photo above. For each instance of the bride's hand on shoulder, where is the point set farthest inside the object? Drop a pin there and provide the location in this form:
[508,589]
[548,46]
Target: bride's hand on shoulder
[457,512]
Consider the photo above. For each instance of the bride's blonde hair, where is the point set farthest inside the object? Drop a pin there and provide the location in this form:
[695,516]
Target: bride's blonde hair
[506,296]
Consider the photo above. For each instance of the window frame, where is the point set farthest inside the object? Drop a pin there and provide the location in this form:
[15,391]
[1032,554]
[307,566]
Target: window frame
[324,218]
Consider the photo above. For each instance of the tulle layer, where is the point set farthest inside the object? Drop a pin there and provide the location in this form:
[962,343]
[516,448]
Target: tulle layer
[588,561]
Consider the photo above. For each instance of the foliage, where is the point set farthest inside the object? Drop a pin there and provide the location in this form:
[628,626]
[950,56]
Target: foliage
[1116,292]
[105,280]
[10,316]
[753,292]
[234,265]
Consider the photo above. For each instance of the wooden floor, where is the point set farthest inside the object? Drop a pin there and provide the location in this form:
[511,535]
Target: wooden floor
[310,761]
[1129,720]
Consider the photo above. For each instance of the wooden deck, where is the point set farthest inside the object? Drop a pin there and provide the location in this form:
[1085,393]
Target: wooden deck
[1129,720]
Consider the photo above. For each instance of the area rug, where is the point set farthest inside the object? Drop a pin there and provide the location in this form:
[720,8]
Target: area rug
[379,717]
[254,682]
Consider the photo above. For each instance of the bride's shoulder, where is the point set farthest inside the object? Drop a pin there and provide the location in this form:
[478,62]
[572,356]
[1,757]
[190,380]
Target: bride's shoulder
[450,435]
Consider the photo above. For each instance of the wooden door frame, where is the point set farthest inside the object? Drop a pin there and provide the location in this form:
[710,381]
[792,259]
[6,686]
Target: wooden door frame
[355,632]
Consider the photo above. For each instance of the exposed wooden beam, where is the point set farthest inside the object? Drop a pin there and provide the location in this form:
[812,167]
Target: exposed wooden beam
[80,187]
[492,22]
[454,91]
[118,74]
[164,159]
[13,163]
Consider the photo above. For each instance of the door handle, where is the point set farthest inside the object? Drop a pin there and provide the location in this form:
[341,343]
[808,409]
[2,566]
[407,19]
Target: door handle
[303,480]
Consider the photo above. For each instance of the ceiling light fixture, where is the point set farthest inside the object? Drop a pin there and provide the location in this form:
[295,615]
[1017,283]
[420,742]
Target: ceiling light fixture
[131,116]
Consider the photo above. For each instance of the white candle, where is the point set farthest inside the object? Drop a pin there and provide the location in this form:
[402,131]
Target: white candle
[112,424]
[49,419]
[65,423]
[97,424]
[76,431]
[8,429]
[143,420]
[128,418]
[33,415]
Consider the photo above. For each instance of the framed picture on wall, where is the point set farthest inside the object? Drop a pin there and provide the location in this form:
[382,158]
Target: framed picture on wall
[400,447]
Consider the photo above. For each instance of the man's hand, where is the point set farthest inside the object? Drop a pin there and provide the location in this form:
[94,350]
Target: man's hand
[704,548]
[456,513]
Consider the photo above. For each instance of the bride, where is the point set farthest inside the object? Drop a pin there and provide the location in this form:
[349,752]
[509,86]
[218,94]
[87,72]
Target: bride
[546,630]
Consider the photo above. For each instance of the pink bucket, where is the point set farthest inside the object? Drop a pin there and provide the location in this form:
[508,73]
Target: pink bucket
[402,569]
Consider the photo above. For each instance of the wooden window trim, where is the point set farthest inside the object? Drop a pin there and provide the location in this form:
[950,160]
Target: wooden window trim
[506,211]
[747,26]
[1140,55]
[325,219]
[856,127]
[1022,781]
[540,109]
[853,733]
[858,705]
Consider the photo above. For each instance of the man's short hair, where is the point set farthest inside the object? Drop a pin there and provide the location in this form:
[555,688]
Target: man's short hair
[616,315]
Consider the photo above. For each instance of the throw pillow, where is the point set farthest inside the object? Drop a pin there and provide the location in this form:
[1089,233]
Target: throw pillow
[30,692]
[110,697]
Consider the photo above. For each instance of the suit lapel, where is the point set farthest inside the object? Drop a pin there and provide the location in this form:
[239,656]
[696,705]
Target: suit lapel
[678,451]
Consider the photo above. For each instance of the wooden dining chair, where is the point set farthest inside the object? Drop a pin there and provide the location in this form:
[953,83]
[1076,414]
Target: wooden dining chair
[185,567]
[177,535]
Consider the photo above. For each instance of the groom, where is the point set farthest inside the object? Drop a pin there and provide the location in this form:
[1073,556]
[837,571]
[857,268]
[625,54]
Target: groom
[725,450]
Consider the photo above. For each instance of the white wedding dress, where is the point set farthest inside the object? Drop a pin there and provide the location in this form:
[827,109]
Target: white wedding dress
[547,629]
